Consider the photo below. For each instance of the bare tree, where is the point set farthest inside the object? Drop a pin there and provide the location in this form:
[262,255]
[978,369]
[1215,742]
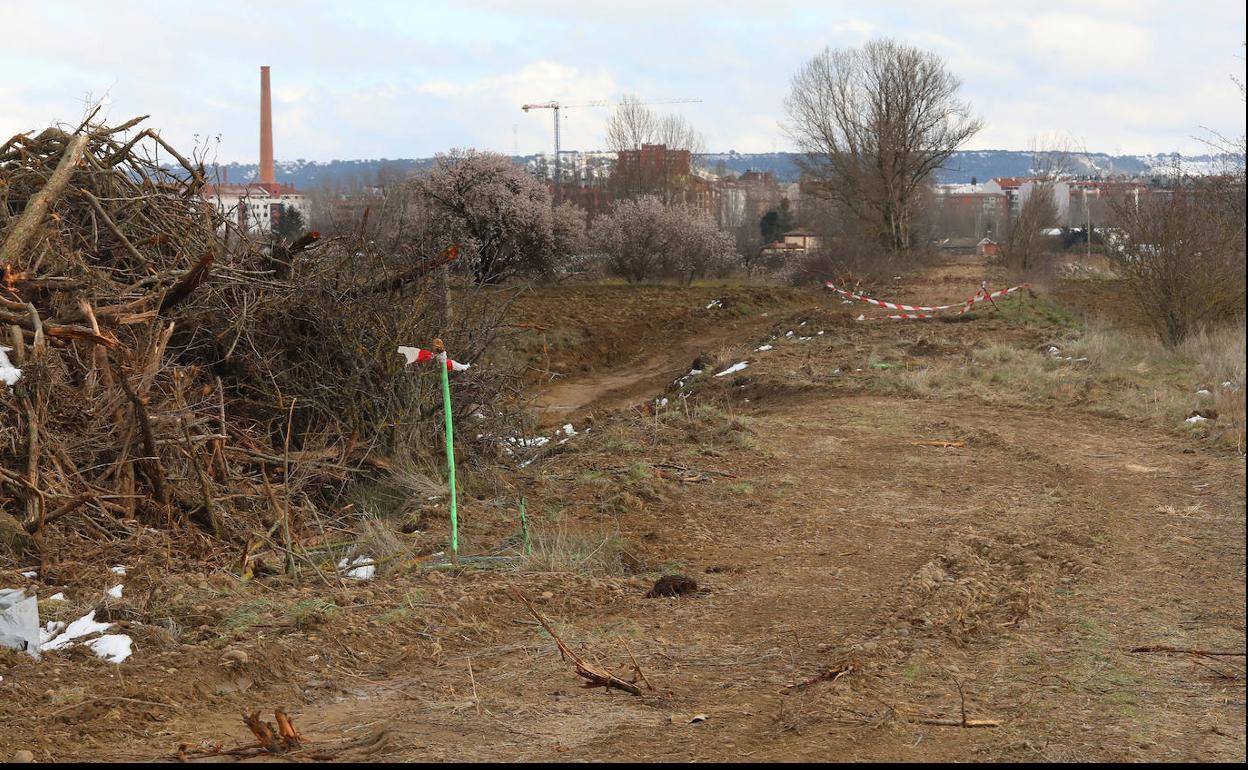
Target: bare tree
[677,133]
[875,123]
[633,124]
[1027,245]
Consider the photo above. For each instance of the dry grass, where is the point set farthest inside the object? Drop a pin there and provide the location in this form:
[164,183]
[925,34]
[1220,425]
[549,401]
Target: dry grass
[1103,372]
[564,550]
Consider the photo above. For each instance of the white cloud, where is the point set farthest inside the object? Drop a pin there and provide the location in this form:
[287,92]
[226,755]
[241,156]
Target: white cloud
[398,79]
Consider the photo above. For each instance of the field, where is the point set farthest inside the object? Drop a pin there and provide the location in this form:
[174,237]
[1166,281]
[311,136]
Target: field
[993,539]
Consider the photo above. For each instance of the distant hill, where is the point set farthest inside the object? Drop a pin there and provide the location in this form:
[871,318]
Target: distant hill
[982,165]
[979,165]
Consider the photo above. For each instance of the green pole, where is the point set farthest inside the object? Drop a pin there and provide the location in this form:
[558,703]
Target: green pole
[450,446]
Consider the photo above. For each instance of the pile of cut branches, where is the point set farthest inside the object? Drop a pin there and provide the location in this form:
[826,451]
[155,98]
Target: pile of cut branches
[177,374]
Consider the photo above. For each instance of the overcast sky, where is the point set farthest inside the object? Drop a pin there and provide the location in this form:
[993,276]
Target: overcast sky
[362,79]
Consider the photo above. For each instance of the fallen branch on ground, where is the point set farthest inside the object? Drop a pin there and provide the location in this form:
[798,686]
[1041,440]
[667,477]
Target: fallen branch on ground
[284,740]
[1186,651]
[594,675]
[963,722]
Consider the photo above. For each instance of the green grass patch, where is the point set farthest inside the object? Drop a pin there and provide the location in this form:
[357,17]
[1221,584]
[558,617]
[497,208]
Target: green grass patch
[311,612]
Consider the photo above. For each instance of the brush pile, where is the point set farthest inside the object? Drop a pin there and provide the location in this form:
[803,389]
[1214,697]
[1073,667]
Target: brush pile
[180,377]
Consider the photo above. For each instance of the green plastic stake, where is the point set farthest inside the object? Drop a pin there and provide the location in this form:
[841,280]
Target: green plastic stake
[450,446]
[524,530]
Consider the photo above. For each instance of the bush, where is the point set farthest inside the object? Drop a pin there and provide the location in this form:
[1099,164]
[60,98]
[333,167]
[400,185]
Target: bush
[1182,255]
[643,240]
[499,216]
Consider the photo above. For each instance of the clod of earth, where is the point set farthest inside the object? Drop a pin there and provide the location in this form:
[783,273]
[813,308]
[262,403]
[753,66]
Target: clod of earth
[672,585]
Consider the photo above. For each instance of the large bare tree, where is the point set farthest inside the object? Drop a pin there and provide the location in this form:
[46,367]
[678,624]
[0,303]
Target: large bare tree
[875,123]
[633,124]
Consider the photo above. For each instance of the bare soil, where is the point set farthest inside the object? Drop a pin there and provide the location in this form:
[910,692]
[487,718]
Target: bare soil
[861,590]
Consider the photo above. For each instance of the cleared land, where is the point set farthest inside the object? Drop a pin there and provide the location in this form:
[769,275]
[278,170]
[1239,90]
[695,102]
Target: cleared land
[862,589]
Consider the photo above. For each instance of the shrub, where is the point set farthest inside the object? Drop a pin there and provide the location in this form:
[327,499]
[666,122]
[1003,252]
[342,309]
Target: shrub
[642,239]
[1182,255]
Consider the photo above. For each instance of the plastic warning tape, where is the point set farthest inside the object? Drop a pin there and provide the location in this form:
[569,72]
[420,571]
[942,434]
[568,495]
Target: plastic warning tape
[892,305]
[932,311]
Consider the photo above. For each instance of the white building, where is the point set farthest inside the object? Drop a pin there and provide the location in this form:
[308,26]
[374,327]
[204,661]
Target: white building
[257,207]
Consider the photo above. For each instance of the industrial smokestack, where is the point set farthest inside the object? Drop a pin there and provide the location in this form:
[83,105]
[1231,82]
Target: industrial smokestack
[267,173]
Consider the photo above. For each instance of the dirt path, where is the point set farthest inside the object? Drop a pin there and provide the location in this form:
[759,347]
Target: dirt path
[663,358]
[632,383]
[1021,568]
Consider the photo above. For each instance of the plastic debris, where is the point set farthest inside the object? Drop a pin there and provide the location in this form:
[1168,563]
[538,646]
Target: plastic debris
[762,348]
[359,568]
[733,369]
[115,592]
[9,374]
[83,626]
[114,648]
[19,621]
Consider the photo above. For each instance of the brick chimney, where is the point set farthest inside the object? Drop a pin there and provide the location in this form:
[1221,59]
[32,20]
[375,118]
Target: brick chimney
[267,172]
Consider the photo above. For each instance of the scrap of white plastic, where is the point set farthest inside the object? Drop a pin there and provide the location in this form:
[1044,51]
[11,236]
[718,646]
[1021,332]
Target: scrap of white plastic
[9,374]
[733,369]
[83,626]
[19,621]
[359,568]
[114,648]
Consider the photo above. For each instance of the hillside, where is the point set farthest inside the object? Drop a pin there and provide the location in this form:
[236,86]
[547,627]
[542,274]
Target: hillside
[965,166]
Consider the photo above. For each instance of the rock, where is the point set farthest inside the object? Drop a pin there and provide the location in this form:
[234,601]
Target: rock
[23,756]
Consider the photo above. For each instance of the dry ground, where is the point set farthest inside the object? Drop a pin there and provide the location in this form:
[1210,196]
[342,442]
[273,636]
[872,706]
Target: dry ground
[856,588]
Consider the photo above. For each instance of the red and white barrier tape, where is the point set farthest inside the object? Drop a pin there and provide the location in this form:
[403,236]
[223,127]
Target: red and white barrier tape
[892,305]
[928,311]
[420,355]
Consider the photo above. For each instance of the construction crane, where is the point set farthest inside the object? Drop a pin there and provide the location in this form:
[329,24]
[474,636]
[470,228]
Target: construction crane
[555,107]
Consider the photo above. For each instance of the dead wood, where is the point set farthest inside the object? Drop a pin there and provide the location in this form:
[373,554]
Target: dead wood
[21,233]
[595,676]
[171,361]
[1165,648]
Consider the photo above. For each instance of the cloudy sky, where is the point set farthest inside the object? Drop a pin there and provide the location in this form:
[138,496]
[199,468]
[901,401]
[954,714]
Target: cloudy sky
[370,79]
